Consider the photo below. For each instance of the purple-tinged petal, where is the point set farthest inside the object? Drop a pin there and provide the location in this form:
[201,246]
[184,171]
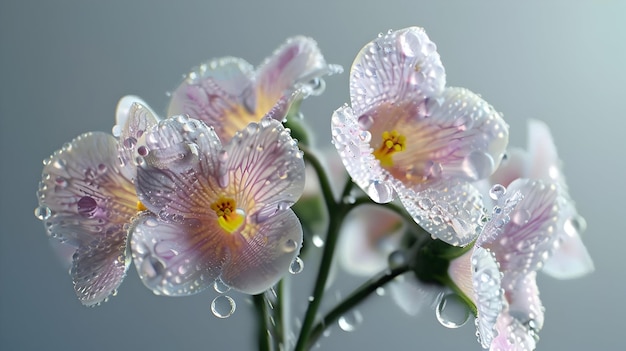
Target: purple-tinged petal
[123,112]
[352,143]
[402,64]
[524,302]
[263,169]
[521,231]
[512,335]
[88,199]
[255,264]
[176,259]
[220,93]
[296,64]
[450,210]
[99,268]
[139,118]
[177,177]
[486,281]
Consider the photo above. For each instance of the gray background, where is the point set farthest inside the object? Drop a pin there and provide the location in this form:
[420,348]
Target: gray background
[64,65]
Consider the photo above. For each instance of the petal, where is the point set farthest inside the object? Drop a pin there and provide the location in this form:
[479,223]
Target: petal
[512,167]
[411,295]
[297,63]
[449,210]
[178,176]
[512,336]
[98,269]
[521,231]
[123,111]
[487,292]
[138,119]
[86,192]
[369,234]
[544,162]
[262,260]
[263,168]
[352,143]
[176,259]
[524,302]
[402,64]
[220,93]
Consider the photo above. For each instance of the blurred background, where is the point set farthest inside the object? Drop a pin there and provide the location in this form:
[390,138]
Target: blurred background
[64,65]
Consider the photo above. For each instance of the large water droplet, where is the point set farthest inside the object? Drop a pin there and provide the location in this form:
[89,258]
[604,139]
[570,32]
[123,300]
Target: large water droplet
[223,306]
[317,240]
[42,212]
[350,321]
[87,206]
[574,225]
[478,165]
[409,44]
[452,312]
[220,287]
[296,266]
[290,245]
[380,192]
[497,191]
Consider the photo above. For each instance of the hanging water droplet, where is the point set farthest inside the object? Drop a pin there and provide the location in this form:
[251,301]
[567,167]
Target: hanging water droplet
[220,287]
[296,266]
[223,306]
[350,321]
[497,191]
[452,312]
[317,240]
[42,212]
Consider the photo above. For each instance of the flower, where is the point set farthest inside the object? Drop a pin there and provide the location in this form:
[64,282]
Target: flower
[499,274]
[87,199]
[217,213]
[407,135]
[227,93]
[541,161]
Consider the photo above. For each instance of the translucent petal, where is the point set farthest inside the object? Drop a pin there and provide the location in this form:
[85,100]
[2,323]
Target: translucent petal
[259,262]
[487,292]
[178,176]
[403,64]
[521,231]
[450,210]
[219,92]
[86,191]
[512,336]
[139,118]
[263,168]
[176,259]
[524,302]
[352,143]
[544,162]
[99,268]
[512,168]
[411,295]
[123,109]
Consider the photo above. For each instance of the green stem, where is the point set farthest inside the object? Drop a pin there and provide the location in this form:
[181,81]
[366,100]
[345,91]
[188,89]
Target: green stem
[355,298]
[265,344]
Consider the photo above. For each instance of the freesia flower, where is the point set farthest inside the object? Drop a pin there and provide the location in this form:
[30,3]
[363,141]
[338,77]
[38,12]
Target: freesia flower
[227,93]
[87,199]
[541,161]
[407,135]
[499,274]
[217,212]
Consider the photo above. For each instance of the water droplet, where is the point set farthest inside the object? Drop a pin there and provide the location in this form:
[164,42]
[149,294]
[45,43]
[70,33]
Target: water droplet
[296,266]
[130,142]
[42,212]
[380,291]
[497,191]
[87,206]
[521,216]
[223,155]
[142,150]
[574,225]
[350,321]
[290,245]
[380,192]
[317,240]
[219,286]
[452,312]
[478,165]
[116,130]
[223,306]
[396,259]
[409,44]
[366,121]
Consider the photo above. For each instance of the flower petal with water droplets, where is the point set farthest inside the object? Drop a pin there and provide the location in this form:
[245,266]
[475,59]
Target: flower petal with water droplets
[512,336]
[487,293]
[403,64]
[139,118]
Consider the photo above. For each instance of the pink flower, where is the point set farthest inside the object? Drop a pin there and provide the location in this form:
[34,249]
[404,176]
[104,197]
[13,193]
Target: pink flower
[217,212]
[87,199]
[499,274]
[406,135]
[541,161]
[227,93]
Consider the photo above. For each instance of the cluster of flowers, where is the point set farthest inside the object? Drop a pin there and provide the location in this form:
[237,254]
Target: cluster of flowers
[205,195]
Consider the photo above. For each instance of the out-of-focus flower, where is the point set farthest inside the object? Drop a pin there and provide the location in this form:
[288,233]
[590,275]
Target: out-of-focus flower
[541,161]
[407,134]
[218,212]
[499,274]
[87,199]
[227,93]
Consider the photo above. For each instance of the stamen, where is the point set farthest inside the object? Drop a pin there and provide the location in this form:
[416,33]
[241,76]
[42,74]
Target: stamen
[141,206]
[392,142]
[228,217]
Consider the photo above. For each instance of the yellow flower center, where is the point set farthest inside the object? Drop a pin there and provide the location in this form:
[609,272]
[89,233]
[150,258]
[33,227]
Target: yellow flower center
[227,215]
[140,206]
[392,142]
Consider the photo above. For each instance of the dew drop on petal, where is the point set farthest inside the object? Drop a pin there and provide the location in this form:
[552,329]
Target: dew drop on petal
[116,130]
[317,240]
[296,266]
[290,245]
[575,225]
[220,287]
[497,191]
[380,192]
[223,306]
[42,212]
[478,165]
[87,206]
[452,312]
[350,321]
[520,216]
[366,121]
